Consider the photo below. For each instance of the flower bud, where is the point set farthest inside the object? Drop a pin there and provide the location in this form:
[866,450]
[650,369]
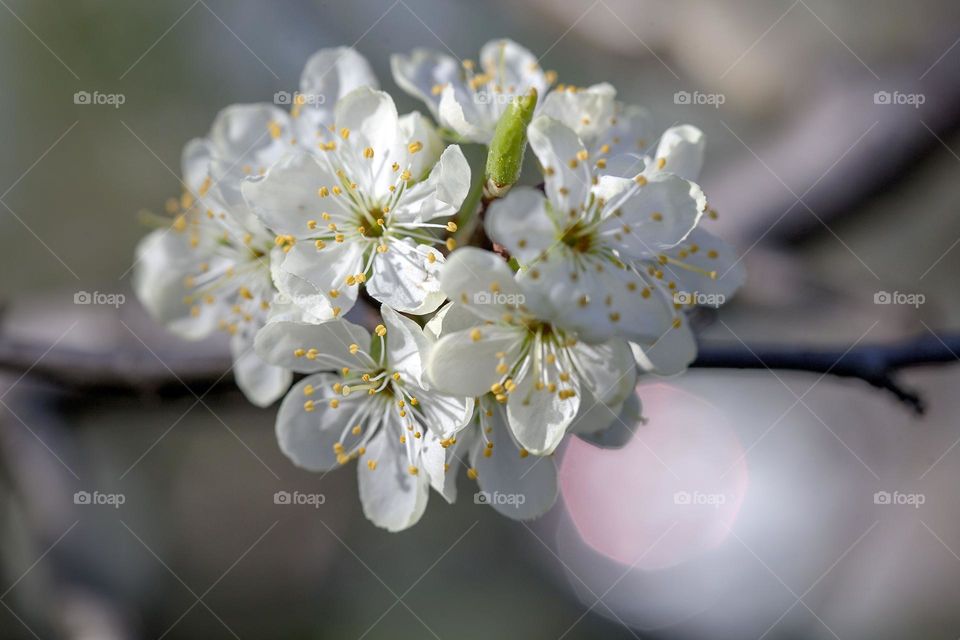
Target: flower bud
[505,157]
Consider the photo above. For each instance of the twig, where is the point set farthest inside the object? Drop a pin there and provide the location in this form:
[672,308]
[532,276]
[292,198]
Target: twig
[876,364]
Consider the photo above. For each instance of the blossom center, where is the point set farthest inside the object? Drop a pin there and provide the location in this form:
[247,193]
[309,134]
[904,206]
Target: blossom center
[578,237]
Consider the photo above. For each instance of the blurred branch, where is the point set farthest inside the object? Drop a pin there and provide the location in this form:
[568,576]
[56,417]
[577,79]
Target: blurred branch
[876,364]
[836,153]
[134,372]
[121,371]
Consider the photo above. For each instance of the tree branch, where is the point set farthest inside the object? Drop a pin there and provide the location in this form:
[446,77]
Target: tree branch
[876,364]
[126,371]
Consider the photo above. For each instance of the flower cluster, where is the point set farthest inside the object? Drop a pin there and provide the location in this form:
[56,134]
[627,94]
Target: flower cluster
[486,356]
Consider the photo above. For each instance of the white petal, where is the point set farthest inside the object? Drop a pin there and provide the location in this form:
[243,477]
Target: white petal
[452,317]
[328,75]
[392,497]
[164,258]
[407,346]
[627,165]
[670,355]
[482,282]
[303,305]
[464,363]
[308,437]
[652,217]
[538,417]
[519,487]
[514,68]
[300,299]
[587,111]
[608,370]
[594,416]
[620,429]
[682,148]
[404,277]
[261,383]
[241,132]
[310,274]
[601,301]
[631,133]
[414,127]
[459,113]
[195,164]
[277,343]
[335,72]
[247,139]
[520,222]
[560,151]
[421,71]
[442,464]
[441,194]
[444,414]
[712,255]
[371,118]
[285,198]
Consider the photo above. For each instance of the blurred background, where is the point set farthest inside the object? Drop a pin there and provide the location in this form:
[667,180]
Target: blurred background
[833,159]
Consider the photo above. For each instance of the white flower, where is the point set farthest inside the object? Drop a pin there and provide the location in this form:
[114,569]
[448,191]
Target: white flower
[541,372]
[467,100]
[211,269]
[576,244]
[512,481]
[367,399]
[364,210]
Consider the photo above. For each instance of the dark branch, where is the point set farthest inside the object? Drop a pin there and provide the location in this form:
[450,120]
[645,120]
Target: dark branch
[876,364]
[120,372]
[133,371]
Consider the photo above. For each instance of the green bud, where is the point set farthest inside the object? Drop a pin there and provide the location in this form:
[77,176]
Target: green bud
[505,157]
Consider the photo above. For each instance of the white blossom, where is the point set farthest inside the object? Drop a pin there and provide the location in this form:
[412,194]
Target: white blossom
[541,372]
[368,210]
[466,98]
[367,399]
[212,268]
[287,213]
[576,242]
